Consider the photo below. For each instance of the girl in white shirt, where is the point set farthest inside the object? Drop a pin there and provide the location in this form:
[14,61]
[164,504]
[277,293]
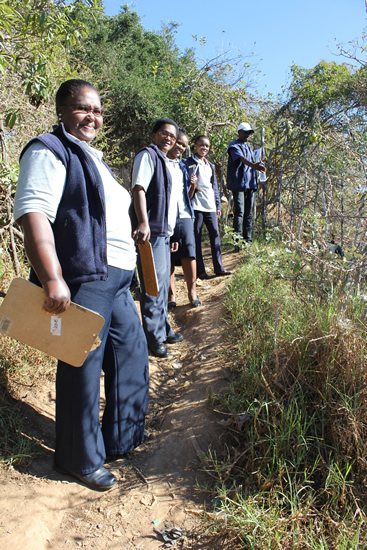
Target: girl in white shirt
[206,203]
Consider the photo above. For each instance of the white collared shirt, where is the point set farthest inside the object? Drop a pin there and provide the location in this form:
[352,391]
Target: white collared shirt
[42,178]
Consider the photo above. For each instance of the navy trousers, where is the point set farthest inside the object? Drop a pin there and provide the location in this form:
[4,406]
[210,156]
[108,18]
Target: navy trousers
[211,221]
[82,442]
[242,222]
[154,309]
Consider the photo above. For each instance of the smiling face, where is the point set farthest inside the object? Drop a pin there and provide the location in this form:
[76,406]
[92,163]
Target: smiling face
[165,137]
[79,123]
[202,147]
[179,147]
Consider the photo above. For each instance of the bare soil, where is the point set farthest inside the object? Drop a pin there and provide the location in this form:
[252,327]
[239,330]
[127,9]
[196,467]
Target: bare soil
[160,484]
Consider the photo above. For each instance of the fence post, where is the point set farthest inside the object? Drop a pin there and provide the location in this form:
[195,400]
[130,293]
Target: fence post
[281,178]
[222,172]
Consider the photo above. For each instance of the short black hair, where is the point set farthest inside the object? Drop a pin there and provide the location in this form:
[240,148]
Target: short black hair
[71,88]
[182,131]
[196,139]
[161,122]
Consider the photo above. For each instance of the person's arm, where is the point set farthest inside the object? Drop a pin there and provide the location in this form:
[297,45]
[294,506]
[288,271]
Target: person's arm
[40,248]
[193,186]
[233,151]
[259,166]
[142,232]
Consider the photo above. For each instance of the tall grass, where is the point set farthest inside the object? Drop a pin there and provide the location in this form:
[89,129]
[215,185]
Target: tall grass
[296,472]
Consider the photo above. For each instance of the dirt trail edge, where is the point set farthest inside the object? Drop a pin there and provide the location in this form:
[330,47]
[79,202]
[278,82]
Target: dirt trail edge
[157,483]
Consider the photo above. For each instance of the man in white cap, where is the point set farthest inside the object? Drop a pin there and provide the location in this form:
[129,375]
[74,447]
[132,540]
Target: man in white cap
[241,180]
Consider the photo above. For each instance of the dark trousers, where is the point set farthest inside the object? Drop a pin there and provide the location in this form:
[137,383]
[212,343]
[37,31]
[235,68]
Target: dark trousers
[242,222]
[211,221]
[154,309]
[82,443]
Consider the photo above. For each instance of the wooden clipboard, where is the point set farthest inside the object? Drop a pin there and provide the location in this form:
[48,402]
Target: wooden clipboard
[69,336]
[148,268]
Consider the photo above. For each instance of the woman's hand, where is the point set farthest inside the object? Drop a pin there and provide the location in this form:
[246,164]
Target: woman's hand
[219,213]
[57,296]
[141,233]
[194,180]
[174,247]
[193,186]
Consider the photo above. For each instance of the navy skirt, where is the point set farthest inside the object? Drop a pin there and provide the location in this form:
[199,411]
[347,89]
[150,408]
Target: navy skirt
[184,235]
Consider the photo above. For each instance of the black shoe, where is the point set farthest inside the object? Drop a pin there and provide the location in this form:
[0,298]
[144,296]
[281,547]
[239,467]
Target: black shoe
[158,350]
[172,305]
[100,480]
[195,303]
[224,273]
[175,339]
[204,276]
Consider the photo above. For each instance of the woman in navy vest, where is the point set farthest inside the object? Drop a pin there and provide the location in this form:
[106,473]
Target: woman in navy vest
[153,218]
[206,204]
[77,236]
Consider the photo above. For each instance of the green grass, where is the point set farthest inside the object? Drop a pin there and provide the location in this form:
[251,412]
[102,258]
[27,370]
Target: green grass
[296,469]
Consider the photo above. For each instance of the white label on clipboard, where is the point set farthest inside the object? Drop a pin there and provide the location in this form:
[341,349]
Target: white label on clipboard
[5,324]
[55,325]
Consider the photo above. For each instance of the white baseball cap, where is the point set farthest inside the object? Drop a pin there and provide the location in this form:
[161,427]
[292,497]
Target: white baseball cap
[245,127]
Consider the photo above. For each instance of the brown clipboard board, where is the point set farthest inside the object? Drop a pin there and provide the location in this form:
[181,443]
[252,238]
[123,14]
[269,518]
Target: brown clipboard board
[69,336]
[148,268]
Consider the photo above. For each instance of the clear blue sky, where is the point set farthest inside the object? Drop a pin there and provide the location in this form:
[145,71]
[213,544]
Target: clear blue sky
[278,33]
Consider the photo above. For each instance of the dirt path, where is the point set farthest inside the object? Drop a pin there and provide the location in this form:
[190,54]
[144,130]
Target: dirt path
[157,484]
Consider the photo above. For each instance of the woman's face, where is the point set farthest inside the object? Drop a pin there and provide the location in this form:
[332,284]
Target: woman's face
[202,147]
[82,114]
[179,147]
[165,138]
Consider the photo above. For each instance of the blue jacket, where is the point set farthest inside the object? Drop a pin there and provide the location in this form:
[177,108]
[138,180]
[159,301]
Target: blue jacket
[239,175]
[80,225]
[157,195]
[190,164]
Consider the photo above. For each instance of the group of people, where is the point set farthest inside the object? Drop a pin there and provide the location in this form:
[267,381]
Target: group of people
[80,234]
[171,201]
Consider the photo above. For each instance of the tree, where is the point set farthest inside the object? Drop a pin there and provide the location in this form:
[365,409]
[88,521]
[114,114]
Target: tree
[143,76]
[34,36]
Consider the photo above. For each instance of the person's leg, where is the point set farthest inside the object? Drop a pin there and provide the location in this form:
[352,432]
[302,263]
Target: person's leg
[238,211]
[247,214]
[211,222]
[126,375]
[79,442]
[172,286]
[189,269]
[198,225]
[169,331]
[154,308]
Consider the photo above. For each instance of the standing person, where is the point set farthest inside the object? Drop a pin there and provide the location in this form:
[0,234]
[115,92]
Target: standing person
[184,229]
[153,218]
[241,180]
[206,204]
[77,236]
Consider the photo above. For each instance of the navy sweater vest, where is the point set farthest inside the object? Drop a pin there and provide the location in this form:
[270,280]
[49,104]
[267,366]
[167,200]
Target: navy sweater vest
[157,195]
[80,225]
